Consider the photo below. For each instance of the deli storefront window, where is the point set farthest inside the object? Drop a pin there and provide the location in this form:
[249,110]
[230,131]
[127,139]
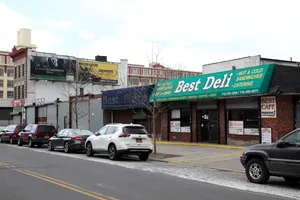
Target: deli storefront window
[243,122]
[180,120]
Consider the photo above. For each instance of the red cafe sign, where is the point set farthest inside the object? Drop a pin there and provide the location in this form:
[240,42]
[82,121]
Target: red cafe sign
[268,107]
[18,103]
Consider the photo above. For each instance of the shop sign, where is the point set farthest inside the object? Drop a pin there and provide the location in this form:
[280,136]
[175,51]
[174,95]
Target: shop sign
[175,126]
[251,131]
[185,129]
[266,135]
[47,66]
[18,103]
[236,127]
[240,82]
[98,72]
[268,107]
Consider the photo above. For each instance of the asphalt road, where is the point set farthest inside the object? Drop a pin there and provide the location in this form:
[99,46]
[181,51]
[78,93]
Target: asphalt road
[26,174]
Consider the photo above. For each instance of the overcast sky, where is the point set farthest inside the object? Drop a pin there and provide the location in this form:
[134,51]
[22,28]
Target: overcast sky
[190,32]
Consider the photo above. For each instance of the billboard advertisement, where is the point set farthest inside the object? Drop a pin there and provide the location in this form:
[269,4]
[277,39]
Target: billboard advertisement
[98,72]
[45,66]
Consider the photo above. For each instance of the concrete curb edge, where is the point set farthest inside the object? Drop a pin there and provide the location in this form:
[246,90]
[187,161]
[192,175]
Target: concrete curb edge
[200,145]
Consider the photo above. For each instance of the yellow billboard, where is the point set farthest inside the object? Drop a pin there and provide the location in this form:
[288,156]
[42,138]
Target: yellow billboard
[98,72]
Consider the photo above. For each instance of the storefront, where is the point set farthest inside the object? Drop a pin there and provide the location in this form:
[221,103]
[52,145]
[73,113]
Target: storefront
[238,107]
[127,105]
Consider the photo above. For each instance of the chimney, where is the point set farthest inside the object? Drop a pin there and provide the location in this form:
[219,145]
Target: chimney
[291,59]
[101,58]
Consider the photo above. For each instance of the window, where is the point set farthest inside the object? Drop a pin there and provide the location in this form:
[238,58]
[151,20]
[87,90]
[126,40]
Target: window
[15,72]
[15,92]
[81,91]
[2,59]
[60,133]
[1,94]
[145,81]
[134,71]
[22,92]
[46,129]
[9,60]
[135,130]
[103,130]
[293,138]
[181,117]
[10,94]
[248,122]
[19,71]
[111,130]
[19,92]
[10,72]
[82,132]
[134,81]
[1,72]
[1,83]
[145,72]
[23,70]
[10,83]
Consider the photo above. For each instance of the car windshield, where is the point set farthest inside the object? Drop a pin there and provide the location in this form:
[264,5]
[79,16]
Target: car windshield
[81,132]
[10,128]
[135,130]
[21,127]
[46,129]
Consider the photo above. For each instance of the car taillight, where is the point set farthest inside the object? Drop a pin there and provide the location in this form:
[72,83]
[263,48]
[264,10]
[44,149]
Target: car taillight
[76,138]
[149,135]
[124,135]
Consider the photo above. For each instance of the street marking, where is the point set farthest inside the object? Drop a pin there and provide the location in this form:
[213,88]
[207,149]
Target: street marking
[60,183]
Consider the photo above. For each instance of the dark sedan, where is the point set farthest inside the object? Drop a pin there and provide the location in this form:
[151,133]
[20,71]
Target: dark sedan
[69,140]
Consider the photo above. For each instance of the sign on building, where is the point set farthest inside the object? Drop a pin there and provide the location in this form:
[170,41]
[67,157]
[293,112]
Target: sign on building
[98,72]
[268,107]
[266,135]
[236,127]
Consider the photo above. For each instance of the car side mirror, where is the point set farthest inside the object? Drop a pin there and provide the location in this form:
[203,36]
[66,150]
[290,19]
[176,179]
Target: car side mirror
[97,133]
[281,144]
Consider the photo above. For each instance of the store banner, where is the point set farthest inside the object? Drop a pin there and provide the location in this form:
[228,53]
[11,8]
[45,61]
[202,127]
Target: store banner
[98,72]
[175,127]
[268,107]
[236,127]
[46,66]
[240,82]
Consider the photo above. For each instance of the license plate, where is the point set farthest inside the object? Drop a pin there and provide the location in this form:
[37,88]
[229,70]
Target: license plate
[46,137]
[139,140]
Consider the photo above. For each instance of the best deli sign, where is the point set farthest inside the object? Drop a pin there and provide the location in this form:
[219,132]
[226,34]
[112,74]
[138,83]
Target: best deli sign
[246,81]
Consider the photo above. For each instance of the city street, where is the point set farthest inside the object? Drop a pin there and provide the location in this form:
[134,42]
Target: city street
[39,174]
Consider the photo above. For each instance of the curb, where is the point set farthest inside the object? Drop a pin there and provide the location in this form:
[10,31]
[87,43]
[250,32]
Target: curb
[200,145]
[158,160]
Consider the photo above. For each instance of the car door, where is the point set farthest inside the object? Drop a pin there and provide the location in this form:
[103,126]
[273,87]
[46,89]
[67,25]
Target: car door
[57,141]
[28,131]
[106,138]
[286,159]
[98,139]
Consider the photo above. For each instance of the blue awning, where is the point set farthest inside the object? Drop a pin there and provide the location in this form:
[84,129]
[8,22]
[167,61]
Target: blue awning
[132,97]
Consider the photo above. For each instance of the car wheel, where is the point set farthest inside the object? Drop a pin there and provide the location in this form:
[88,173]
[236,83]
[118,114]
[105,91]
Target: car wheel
[89,149]
[50,147]
[20,142]
[257,171]
[144,157]
[11,141]
[112,152]
[292,180]
[30,143]
[66,148]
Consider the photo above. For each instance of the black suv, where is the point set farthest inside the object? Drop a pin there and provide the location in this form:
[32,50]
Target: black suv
[281,158]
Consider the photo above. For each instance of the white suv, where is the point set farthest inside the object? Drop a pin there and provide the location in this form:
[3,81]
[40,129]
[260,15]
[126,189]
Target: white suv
[120,139]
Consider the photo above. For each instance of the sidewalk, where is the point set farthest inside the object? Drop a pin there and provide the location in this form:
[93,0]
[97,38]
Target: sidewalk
[221,157]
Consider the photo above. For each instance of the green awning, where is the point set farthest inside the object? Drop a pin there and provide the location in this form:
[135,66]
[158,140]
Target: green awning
[239,82]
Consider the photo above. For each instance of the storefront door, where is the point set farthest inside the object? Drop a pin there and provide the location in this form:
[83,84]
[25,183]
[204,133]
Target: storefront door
[209,126]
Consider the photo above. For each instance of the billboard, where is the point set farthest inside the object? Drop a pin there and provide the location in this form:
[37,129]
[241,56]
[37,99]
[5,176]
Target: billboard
[98,72]
[53,67]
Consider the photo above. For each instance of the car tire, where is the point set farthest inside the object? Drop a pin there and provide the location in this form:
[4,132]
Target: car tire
[89,149]
[257,171]
[1,139]
[144,157]
[50,146]
[66,147]
[291,180]
[30,143]
[20,142]
[11,140]
[112,152]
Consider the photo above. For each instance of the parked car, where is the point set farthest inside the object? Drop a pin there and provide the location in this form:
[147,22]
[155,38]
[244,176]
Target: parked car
[36,134]
[2,128]
[120,139]
[69,140]
[10,133]
[281,158]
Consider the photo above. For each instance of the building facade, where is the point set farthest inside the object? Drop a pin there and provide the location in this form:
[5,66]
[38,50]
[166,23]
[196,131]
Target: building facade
[139,75]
